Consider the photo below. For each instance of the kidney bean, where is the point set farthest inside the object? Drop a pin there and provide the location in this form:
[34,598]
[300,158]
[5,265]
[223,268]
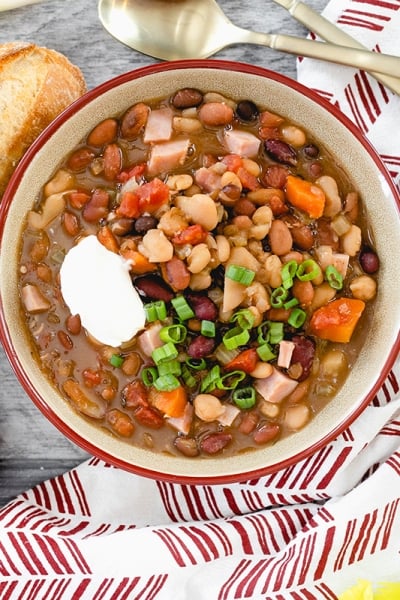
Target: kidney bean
[200,346]
[280,238]
[303,353]
[369,260]
[154,287]
[71,224]
[97,207]
[214,114]
[275,177]
[134,395]
[144,224]
[281,151]
[244,206]
[112,161]
[215,442]
[65,340]
[325,235]
[249,422]
[247,111]
[176,274]
[134,120]
[187,98]
[203,306]
[80,159]
[104,133]
[266,432]
[303,237]
[146,415]
[303,291]
[73,324]
[186,446]
[120,422]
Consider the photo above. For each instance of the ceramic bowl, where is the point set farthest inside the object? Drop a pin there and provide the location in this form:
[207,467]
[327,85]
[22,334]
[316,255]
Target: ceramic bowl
[348,147]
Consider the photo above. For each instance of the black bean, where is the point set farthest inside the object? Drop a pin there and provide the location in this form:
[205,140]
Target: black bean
[144,224]
[369,260]
[247,111]
[281,151]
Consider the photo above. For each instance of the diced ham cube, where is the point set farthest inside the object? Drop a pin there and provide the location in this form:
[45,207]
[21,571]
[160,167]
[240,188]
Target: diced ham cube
[33,299]
[208,179]
[340,262]
[285,353]
[184,422]
[150,339]
[241,142]
[158,126]
[229,415]
[167,156]
[276,387]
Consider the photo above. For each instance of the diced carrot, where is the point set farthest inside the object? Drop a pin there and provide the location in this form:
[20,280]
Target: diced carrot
[129,206]
[194,234]
[337,320]
[139,263]
[305,196]
[107,238]
[245,361]
[171,403]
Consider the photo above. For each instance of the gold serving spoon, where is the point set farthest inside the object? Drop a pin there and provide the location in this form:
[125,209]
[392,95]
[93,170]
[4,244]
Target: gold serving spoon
[177,29]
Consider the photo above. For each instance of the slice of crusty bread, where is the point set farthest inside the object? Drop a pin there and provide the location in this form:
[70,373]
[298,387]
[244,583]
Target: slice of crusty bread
[36,84]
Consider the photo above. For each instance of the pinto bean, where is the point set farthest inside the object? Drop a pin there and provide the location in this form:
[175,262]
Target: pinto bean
[248,422]
[186,446]
[97,207]
[215,114]
[73,324]
[131,364]
[112,161]
[280,238]
[204,308]
[303,291]
[275,176]
[244,206]
[134,120]
[266,432]
[104,133]
[120,422]
[71,224]
[134,395]
[80,159]
[176,274]
[201,346]
[65,340]
[187,98]
[154,287]
[121,226]
[215,442]
[302,236]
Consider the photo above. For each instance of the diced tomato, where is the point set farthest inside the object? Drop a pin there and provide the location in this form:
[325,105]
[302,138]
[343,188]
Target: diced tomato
[136,171]
[232,162]
[129,206]
[146,198]
[245,361]
[92,377]
[194,234]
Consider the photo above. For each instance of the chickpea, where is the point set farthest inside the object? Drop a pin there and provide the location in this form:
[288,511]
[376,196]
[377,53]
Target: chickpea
[351,241]
[322,295]
[208,407]
[156,247]
[333,364]
[363,287]
[199,258]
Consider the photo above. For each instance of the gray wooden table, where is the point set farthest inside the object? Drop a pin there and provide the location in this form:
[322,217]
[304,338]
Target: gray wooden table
[32,449]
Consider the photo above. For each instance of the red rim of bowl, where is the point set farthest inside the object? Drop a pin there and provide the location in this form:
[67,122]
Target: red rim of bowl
[5,337]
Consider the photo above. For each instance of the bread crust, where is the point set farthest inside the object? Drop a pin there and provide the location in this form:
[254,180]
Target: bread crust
[36,84]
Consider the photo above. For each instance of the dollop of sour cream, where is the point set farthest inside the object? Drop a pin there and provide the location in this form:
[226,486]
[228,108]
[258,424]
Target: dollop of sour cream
[95,283]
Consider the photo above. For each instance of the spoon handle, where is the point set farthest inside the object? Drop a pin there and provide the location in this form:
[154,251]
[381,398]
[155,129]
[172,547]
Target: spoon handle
[331,33]
[343,55]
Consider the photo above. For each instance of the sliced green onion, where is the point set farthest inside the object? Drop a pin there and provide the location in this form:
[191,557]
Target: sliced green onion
[155,311]
[288,272]
[244,397]
[173,333]
[308,270]
[149,375]
[240,274]
[173,367]
[209,382]
[207,328]
[291,303]
[297,317]
[164,353]
[244,318]
[275,332]
[116,361]
[265,352]
[182,308]
[231,380]
[236,337]
[278,297]
[187,377]
[333,277]
[166,383]
[197,364]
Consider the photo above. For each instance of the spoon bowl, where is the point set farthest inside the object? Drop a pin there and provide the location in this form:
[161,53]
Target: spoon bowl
[187,29]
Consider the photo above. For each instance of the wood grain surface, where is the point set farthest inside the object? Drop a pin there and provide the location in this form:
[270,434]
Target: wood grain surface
[31,448]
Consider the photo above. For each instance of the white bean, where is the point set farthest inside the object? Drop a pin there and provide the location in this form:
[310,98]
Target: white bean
[296,416]
[199,258]
[208,407]
[351,241]
[156,247]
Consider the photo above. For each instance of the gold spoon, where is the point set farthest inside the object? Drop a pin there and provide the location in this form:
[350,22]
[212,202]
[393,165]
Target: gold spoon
[178,29]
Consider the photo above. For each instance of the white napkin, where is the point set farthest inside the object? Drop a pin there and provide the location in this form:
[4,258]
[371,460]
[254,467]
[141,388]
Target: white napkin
[305,533]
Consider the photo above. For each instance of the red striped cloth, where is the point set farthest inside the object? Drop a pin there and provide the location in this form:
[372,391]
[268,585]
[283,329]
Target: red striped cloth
[304,533]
